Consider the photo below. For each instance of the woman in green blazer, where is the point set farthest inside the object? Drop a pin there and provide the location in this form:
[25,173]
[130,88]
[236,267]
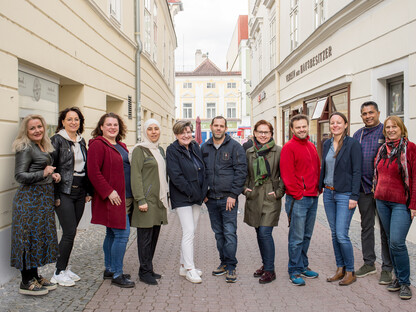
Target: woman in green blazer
[150,192]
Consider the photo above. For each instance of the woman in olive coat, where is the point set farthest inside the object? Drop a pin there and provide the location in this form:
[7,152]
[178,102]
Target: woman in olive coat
[150,190]
[263,189]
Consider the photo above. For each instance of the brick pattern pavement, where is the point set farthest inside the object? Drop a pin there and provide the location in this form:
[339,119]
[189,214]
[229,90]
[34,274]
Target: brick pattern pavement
[174,293]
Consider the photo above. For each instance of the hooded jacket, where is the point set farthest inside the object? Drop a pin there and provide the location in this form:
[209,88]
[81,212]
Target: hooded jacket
[106,173]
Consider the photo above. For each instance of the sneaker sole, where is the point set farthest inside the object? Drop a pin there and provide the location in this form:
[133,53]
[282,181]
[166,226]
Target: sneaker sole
[296,283]
[52,287]
[393,289]
[75,279]
[231,281]
[62,284]
[219,274]
[384,283]
[194,281]
[33,292]
[126,286]
[310,277]
[368,273]
[405,297]
[184,274]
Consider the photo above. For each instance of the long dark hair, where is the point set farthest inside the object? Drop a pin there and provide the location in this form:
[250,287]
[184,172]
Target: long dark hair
[122,130]
[344,134]
[62,116]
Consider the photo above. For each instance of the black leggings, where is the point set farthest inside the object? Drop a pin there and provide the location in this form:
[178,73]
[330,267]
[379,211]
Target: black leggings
[69,214]
[28,274]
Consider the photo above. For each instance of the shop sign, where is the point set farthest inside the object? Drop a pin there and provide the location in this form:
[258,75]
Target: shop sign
[312,62]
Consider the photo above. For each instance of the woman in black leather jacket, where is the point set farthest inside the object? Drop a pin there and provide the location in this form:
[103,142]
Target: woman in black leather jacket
[71,194]
[34,242]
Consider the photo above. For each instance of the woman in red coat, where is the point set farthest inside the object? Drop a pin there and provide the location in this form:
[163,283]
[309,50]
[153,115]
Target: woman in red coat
[109,173]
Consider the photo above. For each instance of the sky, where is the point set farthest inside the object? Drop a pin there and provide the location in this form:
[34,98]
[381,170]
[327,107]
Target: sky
[206,25]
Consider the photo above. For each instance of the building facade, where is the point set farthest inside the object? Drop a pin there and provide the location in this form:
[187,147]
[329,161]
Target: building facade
[86,53]
[208,92]
[263,26]
[335,55]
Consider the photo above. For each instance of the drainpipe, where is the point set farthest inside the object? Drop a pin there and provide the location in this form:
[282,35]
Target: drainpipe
[138,90]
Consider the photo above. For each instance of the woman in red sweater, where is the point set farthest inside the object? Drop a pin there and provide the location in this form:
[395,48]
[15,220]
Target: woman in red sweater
[395,165]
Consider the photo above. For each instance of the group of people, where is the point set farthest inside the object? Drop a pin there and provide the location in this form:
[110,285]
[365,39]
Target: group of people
[136,189]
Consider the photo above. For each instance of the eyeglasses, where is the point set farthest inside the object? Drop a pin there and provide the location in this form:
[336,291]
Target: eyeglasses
[263,132]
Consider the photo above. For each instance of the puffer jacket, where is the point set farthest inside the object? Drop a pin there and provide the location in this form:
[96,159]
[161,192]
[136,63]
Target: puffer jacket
[63,160]
[226,168]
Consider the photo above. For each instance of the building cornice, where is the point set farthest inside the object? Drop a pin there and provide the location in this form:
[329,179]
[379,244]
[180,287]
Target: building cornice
[265,81]
[268,3]
[258,21]
[350,12]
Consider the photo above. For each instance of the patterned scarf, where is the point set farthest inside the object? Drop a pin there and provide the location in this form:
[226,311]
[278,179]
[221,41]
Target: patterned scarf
[398,153]
[261,166]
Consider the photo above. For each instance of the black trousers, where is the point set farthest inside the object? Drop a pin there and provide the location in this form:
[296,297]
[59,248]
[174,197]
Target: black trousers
[69,214]
[28,274]
[146,246]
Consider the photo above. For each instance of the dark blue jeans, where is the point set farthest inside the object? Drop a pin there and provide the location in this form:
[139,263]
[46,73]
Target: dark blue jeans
[114,246]
[302,222]
[396,221]
[266,246]
[224,225]
[339,219]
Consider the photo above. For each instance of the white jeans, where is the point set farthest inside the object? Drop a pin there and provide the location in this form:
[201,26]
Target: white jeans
[188,216]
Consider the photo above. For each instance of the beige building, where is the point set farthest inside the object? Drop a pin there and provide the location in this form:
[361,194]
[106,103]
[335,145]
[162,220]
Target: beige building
[335,55]
[56,54]
[208,92]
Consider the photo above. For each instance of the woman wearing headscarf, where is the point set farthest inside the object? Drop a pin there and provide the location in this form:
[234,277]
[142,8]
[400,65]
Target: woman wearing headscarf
[150,191]
[341,177]
[395,165]
[34,241]
[263,189]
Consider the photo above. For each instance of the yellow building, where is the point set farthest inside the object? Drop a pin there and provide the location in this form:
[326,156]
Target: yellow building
[208,92]
[60,53]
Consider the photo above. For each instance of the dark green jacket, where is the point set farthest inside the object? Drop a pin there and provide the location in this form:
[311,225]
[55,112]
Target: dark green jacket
[262,209]
[145,187]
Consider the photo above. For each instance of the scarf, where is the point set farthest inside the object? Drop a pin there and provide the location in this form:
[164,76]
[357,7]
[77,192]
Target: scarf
[161,163]
[398,153]
[261,166]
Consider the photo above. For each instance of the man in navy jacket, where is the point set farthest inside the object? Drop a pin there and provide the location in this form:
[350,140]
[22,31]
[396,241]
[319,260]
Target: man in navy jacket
[226,171]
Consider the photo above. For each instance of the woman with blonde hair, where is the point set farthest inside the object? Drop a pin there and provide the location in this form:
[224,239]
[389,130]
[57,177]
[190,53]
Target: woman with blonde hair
[34,241]
[395,165]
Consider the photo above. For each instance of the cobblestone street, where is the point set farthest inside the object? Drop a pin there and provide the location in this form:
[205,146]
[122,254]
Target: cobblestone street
[174,293]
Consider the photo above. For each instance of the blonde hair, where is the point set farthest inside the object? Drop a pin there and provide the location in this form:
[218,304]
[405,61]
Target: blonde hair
[399,123]
[22,141]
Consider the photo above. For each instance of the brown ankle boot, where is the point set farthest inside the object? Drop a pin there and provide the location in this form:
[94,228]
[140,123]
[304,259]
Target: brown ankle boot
[348,279]
[339,274]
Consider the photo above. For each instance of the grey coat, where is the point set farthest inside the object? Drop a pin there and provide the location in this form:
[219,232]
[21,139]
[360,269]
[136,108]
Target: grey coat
[262,209]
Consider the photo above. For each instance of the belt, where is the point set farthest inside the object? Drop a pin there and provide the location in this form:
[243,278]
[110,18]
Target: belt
[330,188]
[75,186]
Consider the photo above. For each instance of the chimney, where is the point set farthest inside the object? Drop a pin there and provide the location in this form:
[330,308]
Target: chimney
[198,57]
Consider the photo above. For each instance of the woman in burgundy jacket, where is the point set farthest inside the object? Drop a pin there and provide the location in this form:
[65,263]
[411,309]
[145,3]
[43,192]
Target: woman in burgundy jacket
[107,165]
[395,194]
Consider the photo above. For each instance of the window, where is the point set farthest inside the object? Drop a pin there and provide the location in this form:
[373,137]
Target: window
[154,32]
[211,85]
[115,10]
[231,85]
[187,110]
[211,110]
[395,88]
[294,12]
[273,43]
[187,85]
[319,12]
[231,110]
[147,26]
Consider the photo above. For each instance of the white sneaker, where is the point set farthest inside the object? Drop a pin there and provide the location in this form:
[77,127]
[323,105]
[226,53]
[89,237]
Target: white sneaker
[72,275]
[182,271]
[62,279]
[193,276]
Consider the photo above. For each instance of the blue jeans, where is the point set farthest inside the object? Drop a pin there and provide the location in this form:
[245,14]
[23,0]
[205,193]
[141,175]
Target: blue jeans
[266,246]
[396,221]
[114,246]
[224,225]
[302,222]
[339,219]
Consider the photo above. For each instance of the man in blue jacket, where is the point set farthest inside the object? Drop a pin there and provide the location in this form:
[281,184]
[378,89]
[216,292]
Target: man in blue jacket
[226,171]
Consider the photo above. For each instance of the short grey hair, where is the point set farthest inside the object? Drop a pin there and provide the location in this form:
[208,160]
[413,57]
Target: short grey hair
[180,126]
